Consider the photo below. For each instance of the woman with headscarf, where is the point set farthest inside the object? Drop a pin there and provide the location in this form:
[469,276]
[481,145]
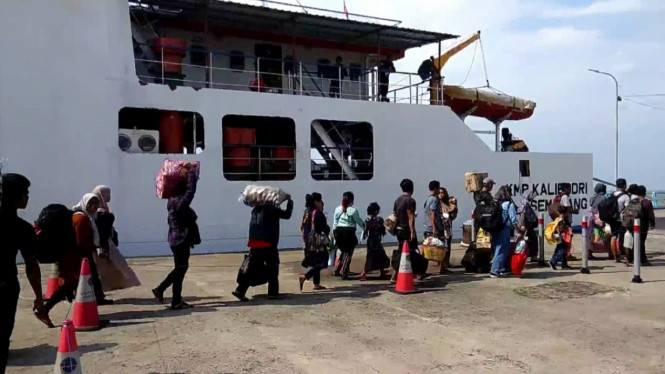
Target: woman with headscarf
[501,239]
[528,222]
[316,250]
[598,239]
[87,242]
[113,270]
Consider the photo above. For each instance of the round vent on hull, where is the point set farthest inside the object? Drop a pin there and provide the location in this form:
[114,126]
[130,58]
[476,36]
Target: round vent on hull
[124,142]
[147,143]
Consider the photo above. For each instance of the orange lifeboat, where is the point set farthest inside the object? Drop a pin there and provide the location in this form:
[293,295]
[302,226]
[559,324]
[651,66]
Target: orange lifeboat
[487,104]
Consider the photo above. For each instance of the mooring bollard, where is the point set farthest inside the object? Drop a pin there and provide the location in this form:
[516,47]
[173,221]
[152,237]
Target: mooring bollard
[637,244]
[541,240]
[585,246]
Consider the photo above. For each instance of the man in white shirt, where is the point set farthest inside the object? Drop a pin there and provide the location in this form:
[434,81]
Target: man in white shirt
[565,201]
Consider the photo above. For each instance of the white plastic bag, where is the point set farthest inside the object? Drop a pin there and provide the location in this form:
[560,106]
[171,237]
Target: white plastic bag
[259,195]
[628,241]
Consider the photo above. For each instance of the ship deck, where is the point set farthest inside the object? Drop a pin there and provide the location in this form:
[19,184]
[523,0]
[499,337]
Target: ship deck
[462,324]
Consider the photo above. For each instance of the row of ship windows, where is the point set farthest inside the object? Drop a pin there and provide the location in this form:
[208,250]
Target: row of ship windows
[254,148]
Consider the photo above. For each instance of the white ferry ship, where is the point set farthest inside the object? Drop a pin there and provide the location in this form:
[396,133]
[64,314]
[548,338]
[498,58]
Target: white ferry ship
[101,92]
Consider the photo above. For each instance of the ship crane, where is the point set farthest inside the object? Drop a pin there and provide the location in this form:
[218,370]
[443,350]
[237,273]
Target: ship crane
[485,102]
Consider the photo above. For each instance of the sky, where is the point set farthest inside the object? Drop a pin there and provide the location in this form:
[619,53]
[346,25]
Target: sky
[540,50]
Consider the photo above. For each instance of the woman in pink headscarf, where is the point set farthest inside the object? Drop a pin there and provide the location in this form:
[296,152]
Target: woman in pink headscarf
[114,271]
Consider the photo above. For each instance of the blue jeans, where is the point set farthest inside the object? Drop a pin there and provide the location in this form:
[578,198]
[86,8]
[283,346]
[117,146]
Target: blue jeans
[501,242]
[559,254]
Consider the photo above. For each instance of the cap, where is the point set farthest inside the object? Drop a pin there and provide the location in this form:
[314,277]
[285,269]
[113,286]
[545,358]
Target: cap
[488,181]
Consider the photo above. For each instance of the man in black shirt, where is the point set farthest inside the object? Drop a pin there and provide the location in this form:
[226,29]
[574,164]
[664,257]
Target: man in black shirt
[16,234]
[405,228]
[386,67]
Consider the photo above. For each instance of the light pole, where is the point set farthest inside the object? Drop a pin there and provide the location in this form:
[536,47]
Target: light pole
[616,145]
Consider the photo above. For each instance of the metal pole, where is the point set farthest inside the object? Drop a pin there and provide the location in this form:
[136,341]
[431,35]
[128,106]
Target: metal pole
[585,246]
[194,132]
[210,84]
[616,121]
[637,244]
[497,137]
[410,91]
[300,73]
[339,88]
[473,230]
[162,63]
[541,240]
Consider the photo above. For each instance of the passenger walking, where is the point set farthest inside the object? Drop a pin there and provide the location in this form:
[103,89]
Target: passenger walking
[404,210]
[648,223]
[448,214]
[432,219]
[318,241]
[376,258]
[87,239]
[501,239]
[17,235]
[564,234]
[183,236]
[528,222]
[600,190]
[263,249]
[345,220]
[114,272]
[618,231]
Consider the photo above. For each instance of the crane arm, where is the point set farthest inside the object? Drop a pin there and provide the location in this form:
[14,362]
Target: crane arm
[443,59]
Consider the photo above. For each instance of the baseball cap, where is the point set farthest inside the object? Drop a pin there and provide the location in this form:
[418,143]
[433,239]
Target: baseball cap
[488,181]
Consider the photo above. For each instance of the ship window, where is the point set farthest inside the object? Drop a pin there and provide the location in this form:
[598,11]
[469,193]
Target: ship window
[144,130]
[342,150]
[237,61]
[256,148]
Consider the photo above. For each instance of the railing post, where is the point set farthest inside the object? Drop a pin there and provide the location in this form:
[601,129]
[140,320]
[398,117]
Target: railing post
[585,246]
[637,249]
[162,63]
[410,93]
[300,73]
[258,80]
[260,162]
[340,83]
[417,93]
[211,83]
[541,240]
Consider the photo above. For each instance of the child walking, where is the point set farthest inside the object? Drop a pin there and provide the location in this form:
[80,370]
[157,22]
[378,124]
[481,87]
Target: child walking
[564,234]
[374,232]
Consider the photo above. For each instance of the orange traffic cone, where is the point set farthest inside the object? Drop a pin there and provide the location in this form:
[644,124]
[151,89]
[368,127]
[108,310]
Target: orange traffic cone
[86,316]
[405,284]
[52,284]
[68,359]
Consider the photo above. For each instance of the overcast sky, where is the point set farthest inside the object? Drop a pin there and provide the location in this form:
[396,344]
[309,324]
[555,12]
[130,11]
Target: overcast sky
[540,50]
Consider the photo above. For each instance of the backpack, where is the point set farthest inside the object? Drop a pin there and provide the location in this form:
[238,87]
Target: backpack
[633,211]
[553,209]
[55,233]
[608,209]
[490,215]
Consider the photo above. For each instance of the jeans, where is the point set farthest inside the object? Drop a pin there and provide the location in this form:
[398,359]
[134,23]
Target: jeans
[270,256]
[501,242]
[177,275]
[560,254]
[9,291]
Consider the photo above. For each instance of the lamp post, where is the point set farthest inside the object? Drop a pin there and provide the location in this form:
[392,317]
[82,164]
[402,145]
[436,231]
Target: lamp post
[618,98]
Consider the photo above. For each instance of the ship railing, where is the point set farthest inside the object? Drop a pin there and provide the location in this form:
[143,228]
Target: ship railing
[283,76]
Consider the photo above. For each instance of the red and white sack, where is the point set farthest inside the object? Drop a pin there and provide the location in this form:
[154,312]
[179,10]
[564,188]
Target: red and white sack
[260,195]
[173,172]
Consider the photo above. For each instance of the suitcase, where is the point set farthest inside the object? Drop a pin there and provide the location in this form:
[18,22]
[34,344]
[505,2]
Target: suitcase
[474,181]
[477,260]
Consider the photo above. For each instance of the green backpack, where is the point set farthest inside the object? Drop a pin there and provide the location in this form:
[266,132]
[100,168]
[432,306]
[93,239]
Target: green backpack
[633,211]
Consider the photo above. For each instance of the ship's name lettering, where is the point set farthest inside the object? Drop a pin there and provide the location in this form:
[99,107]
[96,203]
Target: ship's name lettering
[550,190]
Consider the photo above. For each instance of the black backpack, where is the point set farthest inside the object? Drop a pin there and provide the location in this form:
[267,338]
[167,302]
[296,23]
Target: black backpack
[489,215]
[608,209]
[55,233]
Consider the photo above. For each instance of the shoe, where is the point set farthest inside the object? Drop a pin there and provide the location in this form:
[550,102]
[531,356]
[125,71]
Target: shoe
[181,305]
[318,287]
[240,296]
[504,274]
[44,318]
[158,295]
[105,302]
[492,275]
[363,277]
[552,265]
[566,267]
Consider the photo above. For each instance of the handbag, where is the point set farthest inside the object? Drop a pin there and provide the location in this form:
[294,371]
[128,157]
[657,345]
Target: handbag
[318,242]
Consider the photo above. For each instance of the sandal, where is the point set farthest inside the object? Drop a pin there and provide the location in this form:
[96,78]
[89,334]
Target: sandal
[318,287]
[158,295]
[181,305]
